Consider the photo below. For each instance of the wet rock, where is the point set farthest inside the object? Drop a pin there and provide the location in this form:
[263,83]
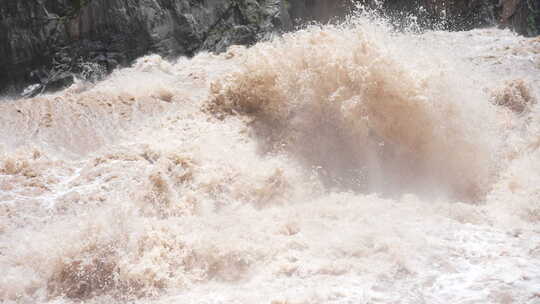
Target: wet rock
[45,34]
[32,90]
[60,81]
[521,15]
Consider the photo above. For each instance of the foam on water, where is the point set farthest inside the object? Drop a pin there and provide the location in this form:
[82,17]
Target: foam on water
[336,164]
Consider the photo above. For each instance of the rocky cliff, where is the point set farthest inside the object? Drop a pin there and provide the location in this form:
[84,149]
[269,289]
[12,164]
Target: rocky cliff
[523,16]
[44,41]
[47,41]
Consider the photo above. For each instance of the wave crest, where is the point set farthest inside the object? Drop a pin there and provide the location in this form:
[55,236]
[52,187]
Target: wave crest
[342,101]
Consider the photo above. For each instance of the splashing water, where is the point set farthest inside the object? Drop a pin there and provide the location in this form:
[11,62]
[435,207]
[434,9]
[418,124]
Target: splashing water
[336,164]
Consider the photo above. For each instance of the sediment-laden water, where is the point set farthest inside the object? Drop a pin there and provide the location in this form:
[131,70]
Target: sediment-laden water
[336,164]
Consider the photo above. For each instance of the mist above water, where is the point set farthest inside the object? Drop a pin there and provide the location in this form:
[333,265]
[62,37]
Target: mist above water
[339,163]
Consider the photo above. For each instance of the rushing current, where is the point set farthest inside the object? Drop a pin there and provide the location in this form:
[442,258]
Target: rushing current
[336,164]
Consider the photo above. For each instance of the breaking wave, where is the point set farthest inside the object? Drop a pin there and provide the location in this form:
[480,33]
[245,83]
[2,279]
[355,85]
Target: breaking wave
[364,113]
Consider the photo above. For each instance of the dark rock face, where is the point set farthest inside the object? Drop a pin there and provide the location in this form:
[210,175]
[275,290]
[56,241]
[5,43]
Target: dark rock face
[320,10]
[41,40]
[523,16]
[47,41]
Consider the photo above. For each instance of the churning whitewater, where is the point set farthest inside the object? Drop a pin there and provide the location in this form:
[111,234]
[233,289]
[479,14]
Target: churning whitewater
[336,164]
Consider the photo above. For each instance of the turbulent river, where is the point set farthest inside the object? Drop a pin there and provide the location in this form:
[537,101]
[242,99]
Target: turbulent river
[335,164]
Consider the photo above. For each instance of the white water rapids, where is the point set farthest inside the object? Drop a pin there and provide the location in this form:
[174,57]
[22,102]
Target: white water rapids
[336,164]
